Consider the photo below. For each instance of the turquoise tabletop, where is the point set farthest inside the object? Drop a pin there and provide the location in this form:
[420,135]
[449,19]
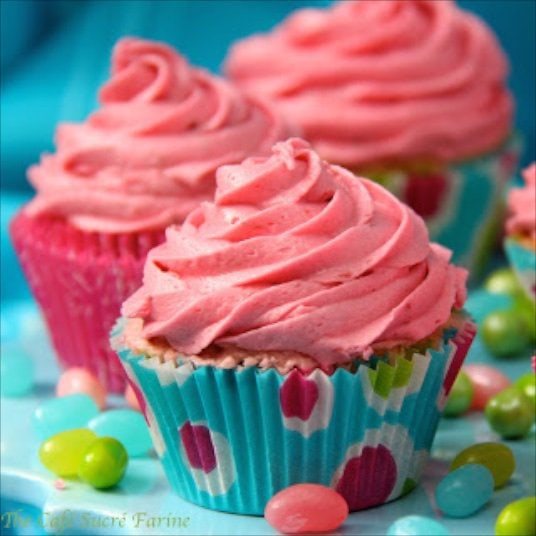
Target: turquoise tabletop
[143,503]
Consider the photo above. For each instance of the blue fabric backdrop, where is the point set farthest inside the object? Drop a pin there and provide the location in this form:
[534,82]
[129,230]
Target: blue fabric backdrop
[55,54]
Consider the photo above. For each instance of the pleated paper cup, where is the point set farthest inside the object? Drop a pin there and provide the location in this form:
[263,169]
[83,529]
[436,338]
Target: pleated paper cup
[522,259]
[80,280]
[229,439]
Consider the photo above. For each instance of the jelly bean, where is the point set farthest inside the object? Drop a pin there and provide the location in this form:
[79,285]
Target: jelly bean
[16,373]
[503,281]
[527,384]
[127,426]
[487,382]
[460,396]
[306,508]
[417,526]
[78,380]
[131,398]
[104,463]
[63,452]
[510,413]
[517,518]
[525,307]
[498,458]
[504,333]
[465,490]
[64,413]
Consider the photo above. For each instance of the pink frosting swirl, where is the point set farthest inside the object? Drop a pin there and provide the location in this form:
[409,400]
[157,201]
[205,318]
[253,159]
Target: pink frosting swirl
[148,156]
[522,206]
[375,81]
[297,255]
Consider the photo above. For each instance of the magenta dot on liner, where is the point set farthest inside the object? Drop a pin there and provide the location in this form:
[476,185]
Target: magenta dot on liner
[425,194]
[298,396]
[198,446]
[368,480]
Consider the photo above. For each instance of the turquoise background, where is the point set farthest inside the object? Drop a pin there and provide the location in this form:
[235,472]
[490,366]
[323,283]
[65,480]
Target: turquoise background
[56,53]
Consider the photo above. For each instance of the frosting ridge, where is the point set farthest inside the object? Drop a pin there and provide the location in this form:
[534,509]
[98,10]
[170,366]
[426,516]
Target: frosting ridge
[297,255]
[370,81]
[148,155]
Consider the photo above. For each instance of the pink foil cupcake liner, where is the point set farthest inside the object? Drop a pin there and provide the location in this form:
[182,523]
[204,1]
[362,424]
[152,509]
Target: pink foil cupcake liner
[80,280]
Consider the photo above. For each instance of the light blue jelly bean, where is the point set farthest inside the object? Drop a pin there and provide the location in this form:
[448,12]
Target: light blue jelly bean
[63,413]
[417,526]
[464,491]
[125,425]
[16,373]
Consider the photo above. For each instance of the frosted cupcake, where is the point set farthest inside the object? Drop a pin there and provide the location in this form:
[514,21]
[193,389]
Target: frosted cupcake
[412,94]
[141,162]
[520,242]
[301,328]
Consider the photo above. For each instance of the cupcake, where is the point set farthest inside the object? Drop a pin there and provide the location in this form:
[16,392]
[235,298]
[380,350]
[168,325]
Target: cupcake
[141,162]
[520,242]
[412,94]
[301,328]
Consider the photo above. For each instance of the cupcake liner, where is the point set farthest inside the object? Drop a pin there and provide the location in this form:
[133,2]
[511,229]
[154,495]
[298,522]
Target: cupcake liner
[462,203]
[80,280]
[523,261]
[229,439]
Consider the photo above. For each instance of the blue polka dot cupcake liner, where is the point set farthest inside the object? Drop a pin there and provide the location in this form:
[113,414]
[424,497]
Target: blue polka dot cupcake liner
[229,439]
[523,261]
[462,203]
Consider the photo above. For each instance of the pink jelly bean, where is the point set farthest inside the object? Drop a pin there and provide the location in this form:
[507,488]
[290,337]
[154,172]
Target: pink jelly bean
[487,382]
[306,508]
[131,398]
[77,380]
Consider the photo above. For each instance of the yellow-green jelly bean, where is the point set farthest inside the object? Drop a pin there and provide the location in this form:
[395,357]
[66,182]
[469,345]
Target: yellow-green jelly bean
[527,384]
[460,396]
[517,518]
[510,413]
[498,458]
[63,452]
[104,463]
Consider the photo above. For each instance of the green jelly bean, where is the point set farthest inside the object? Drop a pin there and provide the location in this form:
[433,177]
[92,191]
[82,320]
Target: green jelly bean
[460,396]
[104,463]
[63,452]
[526,309]
[527,384]
[503,281]
[510,413]
[505,332]
[517,518]
[497,457]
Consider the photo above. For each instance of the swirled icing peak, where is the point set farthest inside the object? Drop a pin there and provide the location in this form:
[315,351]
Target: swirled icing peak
[522,207]
[372,81]
[148,156]
[301,256]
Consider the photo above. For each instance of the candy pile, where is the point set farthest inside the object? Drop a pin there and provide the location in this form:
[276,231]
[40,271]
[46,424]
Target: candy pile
[474,475]
[509,407]
[80,439]
[509,330]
